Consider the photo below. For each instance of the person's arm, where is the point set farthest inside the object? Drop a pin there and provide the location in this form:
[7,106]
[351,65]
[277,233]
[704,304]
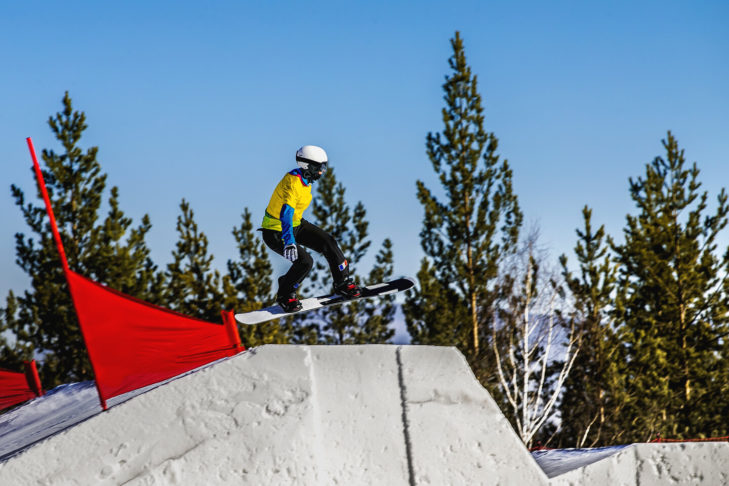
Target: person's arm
[287,225]
[286,216]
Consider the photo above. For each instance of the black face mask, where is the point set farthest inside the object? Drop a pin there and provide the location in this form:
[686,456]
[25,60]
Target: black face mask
[312,172]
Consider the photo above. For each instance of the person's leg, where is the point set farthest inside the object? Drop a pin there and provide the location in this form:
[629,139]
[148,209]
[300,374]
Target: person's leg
[311,236]
[322,242]
[289,282]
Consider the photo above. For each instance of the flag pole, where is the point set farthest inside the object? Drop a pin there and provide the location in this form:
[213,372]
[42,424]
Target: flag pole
[61,252]
[49,209]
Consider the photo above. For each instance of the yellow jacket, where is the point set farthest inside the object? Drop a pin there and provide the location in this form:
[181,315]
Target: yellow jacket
[287,205]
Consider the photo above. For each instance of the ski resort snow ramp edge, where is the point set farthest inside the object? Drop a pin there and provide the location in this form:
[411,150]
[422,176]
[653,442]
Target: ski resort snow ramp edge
[385,415]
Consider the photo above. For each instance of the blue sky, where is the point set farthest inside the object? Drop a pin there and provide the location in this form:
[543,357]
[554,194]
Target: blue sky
[208,101]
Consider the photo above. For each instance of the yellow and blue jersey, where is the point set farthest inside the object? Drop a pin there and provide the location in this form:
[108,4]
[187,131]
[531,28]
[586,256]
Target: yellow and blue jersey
[287,205]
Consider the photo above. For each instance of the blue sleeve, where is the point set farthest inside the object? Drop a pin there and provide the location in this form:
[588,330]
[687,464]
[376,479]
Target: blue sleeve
[287,224]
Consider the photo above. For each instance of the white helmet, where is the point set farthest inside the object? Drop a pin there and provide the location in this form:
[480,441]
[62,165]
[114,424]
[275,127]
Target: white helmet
[312,160]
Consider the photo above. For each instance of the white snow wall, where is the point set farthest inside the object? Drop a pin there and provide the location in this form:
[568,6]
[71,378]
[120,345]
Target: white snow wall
[348,415]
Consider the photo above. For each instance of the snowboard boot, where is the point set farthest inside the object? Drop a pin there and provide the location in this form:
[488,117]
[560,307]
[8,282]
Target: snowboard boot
[289,303]
[347,288]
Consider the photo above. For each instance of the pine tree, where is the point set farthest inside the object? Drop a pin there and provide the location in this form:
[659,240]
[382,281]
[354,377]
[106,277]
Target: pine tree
[247,286]
[129,267]
[591,403]
[673,304]
[108,251]
[194,288]
[331,213]
[376,327]
[435,313]
[349,227]
[248,283]
[358,322]
[466,236]
[14,342]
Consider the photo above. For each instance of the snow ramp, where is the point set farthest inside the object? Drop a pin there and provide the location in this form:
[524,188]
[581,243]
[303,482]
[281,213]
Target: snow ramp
[323,415]
[686,463]
[347,415]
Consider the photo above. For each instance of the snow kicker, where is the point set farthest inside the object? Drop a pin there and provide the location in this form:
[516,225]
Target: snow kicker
[395,415]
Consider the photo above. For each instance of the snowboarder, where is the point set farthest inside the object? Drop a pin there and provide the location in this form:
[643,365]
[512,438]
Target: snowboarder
[288,234]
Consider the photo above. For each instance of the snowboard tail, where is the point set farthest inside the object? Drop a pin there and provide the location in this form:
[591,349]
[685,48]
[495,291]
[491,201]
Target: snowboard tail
[313,303]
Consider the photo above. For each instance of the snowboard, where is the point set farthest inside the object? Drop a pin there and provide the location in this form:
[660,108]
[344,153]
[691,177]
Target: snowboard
[276,312]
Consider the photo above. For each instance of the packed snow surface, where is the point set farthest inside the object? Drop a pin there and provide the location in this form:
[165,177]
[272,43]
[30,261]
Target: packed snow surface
[57,410]
[42,417]
[67,405]
[559,461]
[350,415]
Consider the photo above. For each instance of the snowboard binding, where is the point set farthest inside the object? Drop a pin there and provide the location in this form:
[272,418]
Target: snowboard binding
[289,303]
[347,288]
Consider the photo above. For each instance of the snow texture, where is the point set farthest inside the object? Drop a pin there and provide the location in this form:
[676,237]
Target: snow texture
[348,415]
[44,416]
[559,461]
[687,463]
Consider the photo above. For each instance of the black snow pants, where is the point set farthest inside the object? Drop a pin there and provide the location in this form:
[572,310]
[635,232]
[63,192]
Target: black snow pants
[310,236]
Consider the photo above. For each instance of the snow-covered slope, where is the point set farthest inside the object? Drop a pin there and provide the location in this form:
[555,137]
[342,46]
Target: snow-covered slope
[656,465]
[555,462]
[380,415]
[295,415]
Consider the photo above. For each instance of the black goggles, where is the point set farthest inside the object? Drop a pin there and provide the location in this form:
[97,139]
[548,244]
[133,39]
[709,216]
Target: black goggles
[318,167]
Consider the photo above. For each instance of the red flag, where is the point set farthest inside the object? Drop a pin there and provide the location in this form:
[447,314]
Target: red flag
[18,387]
[133,343]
